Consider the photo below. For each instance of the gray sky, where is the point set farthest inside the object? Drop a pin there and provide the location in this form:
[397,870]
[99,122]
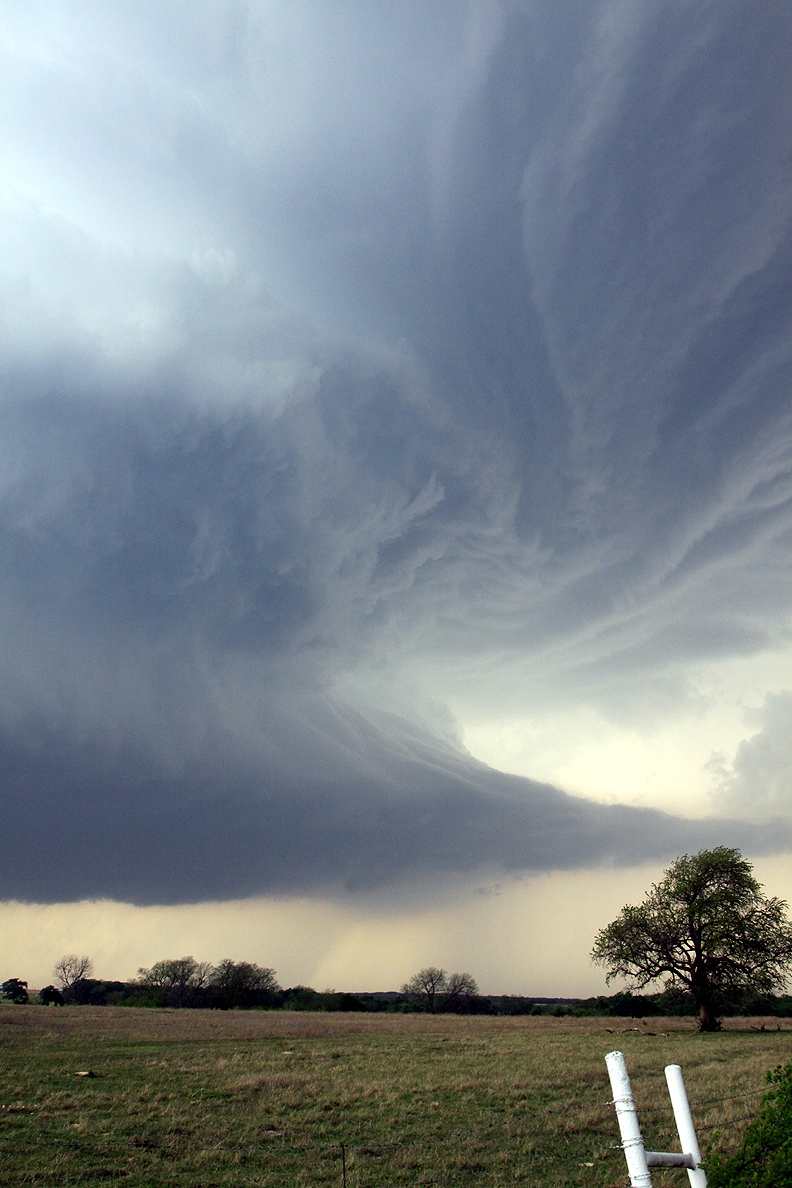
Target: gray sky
[395,473]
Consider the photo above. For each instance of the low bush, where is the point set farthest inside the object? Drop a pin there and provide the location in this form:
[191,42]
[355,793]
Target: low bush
[764,1159]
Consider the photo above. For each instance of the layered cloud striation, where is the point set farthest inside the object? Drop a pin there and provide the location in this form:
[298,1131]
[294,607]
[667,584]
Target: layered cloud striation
[346,365]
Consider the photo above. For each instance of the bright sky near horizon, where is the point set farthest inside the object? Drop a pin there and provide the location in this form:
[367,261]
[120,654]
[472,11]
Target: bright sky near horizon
[395,476]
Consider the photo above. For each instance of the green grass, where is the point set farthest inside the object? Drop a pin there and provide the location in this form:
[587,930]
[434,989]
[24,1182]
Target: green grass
[201,1099]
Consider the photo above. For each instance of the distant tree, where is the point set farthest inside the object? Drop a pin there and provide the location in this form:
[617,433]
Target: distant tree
[14,990]
[71,969]
[460,989]
[92,992]
[706,928]
[242,983]
[425,988]
[176,981]
[341,1001]
[433,990]
[51,996]
[302,998]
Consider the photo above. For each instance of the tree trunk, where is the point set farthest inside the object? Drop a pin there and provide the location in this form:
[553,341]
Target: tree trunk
[707,1020]
[702,995]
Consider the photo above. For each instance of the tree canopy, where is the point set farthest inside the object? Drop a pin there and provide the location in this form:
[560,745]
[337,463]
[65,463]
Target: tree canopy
[706,927]
[178,980]
[51,996]
[242,983]
[14,990]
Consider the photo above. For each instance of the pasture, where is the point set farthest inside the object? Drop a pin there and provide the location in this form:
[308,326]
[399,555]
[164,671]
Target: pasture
[206,1099]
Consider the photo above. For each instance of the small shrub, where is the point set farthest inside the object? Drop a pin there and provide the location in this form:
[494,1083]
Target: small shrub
[765,1156]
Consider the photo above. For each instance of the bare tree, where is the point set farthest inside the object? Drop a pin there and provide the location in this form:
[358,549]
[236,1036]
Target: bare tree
[177,979]
[425,989]
[71,969]
[459,989]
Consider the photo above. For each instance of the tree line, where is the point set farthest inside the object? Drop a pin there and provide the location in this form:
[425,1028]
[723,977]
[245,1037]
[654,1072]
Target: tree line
[184,982]
[705,932]
[89,991]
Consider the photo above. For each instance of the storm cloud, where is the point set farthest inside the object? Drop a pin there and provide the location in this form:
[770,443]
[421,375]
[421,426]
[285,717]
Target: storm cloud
[760,774]
[354,365]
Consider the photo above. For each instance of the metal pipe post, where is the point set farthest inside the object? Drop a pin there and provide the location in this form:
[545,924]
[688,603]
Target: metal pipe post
[684,1123]
[632,1141]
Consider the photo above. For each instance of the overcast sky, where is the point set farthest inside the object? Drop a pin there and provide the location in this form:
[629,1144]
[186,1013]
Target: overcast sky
[396,465]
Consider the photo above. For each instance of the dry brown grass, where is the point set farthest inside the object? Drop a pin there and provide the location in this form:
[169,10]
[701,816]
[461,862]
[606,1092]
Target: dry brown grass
[198,1098]
[184,1026]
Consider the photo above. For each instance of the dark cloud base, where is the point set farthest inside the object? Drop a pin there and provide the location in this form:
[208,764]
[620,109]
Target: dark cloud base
[85,822]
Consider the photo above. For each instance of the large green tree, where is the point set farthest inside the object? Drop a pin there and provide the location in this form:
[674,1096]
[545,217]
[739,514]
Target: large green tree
[707,928]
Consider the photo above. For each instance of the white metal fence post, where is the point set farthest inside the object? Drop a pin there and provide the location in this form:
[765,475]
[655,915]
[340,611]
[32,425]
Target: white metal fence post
[684,1123]
[630,1131]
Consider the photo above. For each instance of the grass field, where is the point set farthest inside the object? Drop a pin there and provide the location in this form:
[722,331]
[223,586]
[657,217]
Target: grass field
[203,1099]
